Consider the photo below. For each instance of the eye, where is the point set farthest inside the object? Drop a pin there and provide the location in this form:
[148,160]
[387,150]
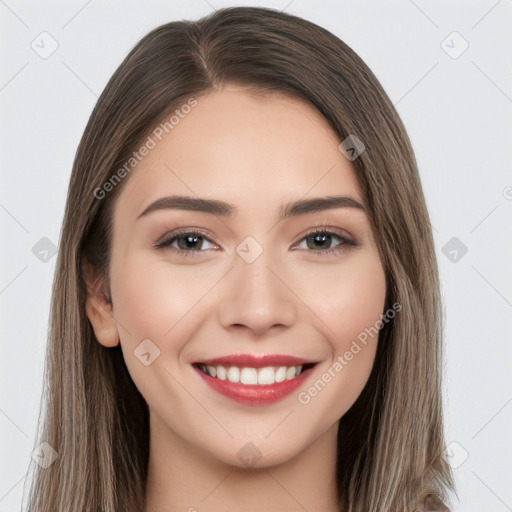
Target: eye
[322,238]
[192,242]
[188,242]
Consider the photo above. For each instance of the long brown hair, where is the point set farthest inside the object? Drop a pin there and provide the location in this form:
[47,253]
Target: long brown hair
[390,442]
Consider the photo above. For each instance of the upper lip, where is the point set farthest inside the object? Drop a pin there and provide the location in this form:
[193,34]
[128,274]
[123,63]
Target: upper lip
[256,360]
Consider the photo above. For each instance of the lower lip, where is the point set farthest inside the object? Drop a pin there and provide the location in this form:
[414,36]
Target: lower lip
[255,394]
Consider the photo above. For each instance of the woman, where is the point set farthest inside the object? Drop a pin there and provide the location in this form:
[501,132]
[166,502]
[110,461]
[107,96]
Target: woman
[206,351]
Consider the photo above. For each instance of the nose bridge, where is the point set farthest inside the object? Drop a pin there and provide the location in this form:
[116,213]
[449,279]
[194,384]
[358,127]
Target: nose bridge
[255,296]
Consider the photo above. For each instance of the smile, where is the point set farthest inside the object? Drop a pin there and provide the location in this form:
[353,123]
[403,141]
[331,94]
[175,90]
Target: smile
[254,376]
[254,380]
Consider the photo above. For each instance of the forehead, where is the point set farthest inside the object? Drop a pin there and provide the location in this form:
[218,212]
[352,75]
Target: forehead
[244,147]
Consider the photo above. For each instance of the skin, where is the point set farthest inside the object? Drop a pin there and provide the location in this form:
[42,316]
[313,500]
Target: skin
[256,152]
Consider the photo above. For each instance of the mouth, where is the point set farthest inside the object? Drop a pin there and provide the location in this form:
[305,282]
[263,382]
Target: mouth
[251,376]
[254,380]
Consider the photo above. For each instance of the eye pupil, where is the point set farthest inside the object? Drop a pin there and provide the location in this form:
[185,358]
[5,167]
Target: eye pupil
[190,241]
[321,238]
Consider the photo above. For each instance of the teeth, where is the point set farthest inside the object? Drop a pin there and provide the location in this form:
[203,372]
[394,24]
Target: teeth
[221,373]
[266,376]
[281,374]
[249,376]
[253,376]
[234,374]
[290,372]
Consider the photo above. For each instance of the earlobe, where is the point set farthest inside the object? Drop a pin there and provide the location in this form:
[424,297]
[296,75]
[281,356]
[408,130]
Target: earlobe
[98,307]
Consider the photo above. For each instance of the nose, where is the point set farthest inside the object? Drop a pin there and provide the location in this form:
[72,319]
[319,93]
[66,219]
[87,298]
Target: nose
[257,296]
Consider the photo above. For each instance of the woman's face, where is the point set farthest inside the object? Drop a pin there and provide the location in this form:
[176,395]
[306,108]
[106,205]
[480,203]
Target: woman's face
[245,279]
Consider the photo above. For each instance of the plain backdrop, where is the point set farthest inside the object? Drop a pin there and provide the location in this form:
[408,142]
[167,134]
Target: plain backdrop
[447,68]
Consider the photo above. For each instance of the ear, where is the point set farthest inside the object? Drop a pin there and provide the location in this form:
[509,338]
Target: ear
[98,306]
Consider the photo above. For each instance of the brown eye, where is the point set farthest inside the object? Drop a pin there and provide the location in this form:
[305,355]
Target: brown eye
[320,241]
[186,242]
[189,242]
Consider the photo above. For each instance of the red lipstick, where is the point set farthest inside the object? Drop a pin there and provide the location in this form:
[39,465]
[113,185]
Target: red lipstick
[255,394]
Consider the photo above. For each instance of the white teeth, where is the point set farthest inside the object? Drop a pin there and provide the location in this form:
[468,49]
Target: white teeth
[221,373]
[234,374]
[290,372]
[249,376]
[266,376]
[253,376]
[281,374]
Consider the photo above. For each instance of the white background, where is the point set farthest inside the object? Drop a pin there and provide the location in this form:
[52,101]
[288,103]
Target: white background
[457,111]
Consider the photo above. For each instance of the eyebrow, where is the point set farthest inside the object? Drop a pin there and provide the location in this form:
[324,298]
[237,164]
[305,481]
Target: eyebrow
[223,209]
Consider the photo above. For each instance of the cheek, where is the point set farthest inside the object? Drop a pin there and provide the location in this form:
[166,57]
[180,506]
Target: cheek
[348,301]
[151,299]
[347,298]
[151,302]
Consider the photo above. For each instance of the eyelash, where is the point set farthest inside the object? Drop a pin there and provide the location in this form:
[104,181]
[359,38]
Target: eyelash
[168,239]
